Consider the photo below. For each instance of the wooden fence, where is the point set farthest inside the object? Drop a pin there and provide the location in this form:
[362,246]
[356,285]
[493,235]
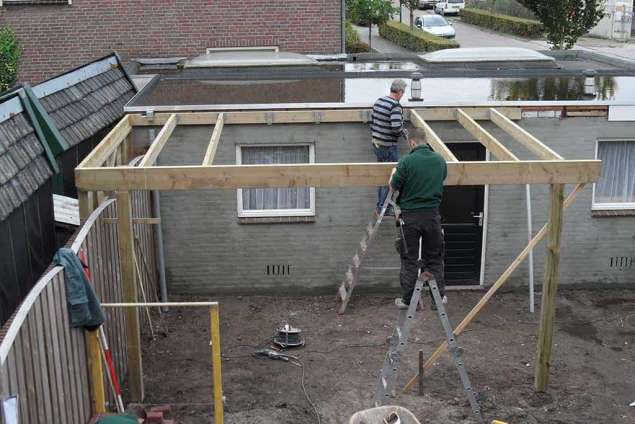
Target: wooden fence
[43,360]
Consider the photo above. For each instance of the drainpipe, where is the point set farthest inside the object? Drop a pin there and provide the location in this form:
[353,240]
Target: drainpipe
[531,252]
[158,236]
[343,26]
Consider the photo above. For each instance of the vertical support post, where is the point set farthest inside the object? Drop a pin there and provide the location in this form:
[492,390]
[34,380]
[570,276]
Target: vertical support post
[133,333]
[96,372]
[530,262]
[216,364]
[95,362]
[549,289]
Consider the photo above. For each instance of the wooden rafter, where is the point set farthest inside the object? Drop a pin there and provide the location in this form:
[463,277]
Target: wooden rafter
[328,175]
[109,144]
[489,141]
[523,137]
[309,116]
[213,142]
[157,144]
[432,138]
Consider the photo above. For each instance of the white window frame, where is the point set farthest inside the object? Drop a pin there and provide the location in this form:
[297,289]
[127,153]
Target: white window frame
[270,213]
[597,206]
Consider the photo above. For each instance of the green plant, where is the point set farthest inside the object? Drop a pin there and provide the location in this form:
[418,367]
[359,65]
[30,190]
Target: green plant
[414,39]
[9,58]
[566,20]
[369,13]
[502,23]
[353,42]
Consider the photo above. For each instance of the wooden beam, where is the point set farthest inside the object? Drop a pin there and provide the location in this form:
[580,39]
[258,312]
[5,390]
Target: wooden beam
[522,136]
[493,289]
[148,221]
[489,141]
[126,261]
[108,145]
[328,175]
[310,116]
[549,289]
[213,142]
[159,141]
[432,138]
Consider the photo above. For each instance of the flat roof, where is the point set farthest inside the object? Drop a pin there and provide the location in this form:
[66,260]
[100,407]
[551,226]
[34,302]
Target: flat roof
[235,58]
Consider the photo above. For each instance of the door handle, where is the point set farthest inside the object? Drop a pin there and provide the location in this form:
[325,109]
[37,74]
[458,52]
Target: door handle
[480,218]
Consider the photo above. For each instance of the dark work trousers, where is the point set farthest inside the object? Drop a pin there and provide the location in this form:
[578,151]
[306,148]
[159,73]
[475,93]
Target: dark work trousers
[424,224]
[385,154]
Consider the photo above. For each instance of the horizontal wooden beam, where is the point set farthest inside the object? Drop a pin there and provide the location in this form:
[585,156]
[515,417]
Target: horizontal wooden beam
[214,140]
[108,145]
[431,137]
[148,221]
[159,142]
[522,136]
[486,139]
[309,116]
[328,175]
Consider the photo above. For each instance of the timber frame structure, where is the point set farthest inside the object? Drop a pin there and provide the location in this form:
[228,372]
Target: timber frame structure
[105,170]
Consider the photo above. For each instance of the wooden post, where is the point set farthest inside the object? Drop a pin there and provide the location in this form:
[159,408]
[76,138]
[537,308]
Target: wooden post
[421,362]
[549,289]
[133,334]
[216,364]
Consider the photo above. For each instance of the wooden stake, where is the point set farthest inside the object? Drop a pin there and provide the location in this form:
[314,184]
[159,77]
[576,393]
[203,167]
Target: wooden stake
[492,290]
[216,364]
[133,334]
[549,289]
[421,372]
[96,372]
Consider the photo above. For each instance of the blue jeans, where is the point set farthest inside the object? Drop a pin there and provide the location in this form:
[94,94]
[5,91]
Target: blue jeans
[385,154]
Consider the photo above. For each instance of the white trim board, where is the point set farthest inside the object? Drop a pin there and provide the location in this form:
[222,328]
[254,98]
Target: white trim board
[621,113]
[10,107]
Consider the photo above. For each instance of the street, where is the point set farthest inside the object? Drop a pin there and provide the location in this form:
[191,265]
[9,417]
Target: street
[468,35]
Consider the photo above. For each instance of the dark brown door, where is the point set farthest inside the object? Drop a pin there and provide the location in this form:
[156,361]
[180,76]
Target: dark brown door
[462,217]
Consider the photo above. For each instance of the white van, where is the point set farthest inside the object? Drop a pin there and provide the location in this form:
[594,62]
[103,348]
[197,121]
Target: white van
[448,7]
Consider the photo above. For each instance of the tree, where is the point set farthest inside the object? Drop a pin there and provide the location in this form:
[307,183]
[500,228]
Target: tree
[370,12]
[566,20]
[9,57]
[411,5]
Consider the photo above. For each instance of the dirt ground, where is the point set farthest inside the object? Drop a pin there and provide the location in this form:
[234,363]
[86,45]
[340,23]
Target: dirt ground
[592,375]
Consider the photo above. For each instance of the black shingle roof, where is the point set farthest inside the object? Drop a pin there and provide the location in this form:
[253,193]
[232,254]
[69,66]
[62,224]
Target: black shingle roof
[23,165]
[83,109]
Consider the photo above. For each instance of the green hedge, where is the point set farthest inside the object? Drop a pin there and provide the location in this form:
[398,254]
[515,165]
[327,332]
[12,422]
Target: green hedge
[414,39]
[353,42]
[502,23]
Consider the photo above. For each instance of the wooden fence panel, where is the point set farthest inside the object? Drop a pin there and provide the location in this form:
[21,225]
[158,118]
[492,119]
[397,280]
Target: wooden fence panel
[42,359]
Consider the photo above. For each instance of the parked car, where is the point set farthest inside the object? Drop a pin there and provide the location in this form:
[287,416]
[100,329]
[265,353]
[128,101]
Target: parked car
[427,4]
[435,25]
[447,7]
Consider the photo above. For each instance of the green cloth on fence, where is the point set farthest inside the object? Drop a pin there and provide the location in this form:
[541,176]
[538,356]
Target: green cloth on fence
[83,306]
[118,419]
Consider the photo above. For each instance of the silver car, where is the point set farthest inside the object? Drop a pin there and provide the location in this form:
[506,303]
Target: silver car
[435,25]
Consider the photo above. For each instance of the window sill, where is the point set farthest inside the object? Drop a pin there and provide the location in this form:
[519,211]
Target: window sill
[259,220]
[608,213]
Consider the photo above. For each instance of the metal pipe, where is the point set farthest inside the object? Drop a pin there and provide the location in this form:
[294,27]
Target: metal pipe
[343,26]
[158,237]
[531,252]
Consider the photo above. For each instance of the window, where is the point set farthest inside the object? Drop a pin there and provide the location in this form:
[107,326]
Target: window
[616,187]
[274,202]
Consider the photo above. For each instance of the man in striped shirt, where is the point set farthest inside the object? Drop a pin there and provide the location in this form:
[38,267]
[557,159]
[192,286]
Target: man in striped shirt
[387,127]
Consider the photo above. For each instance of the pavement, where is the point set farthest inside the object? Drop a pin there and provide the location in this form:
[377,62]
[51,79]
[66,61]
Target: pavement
[468,35]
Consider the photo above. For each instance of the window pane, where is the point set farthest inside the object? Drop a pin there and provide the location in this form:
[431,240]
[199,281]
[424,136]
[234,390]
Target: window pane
[275,198]
[617,183]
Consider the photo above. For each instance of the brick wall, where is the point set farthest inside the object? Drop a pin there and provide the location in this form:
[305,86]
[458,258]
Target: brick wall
[209,251]
[56,38]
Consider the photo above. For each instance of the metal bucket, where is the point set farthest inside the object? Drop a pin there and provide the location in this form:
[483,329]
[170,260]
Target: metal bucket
[379,414]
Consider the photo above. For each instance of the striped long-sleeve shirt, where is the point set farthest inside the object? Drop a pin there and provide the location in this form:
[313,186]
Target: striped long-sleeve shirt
[387,121]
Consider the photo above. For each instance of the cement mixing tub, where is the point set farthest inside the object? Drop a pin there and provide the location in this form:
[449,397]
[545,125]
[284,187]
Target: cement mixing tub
[380,414]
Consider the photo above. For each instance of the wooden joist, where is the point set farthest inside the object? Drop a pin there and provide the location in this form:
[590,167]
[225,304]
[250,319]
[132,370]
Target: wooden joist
[108,145]
[489,141]
[523,137]
[213,142]
[157,144]
[431,137]
[328,175]
[310,116]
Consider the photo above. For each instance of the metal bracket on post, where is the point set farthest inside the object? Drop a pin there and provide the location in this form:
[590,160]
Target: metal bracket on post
[317,117]
[269,118]
[150,115]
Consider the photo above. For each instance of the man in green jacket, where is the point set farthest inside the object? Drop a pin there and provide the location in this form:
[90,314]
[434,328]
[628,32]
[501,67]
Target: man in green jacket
[419,179]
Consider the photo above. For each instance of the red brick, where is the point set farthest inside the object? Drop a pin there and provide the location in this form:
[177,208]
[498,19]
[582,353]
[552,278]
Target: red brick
[154,417]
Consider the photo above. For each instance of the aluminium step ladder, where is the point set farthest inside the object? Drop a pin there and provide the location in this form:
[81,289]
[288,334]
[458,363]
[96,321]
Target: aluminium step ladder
[399,342]
[345,291]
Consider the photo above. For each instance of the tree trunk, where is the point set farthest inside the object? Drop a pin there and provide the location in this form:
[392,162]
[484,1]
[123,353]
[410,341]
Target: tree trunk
[370,36]
[412,19]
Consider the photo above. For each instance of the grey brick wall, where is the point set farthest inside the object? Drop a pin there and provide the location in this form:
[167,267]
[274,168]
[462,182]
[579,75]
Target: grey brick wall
[209,251]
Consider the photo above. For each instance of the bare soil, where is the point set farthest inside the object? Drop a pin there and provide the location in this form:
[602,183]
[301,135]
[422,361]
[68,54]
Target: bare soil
[592,374]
